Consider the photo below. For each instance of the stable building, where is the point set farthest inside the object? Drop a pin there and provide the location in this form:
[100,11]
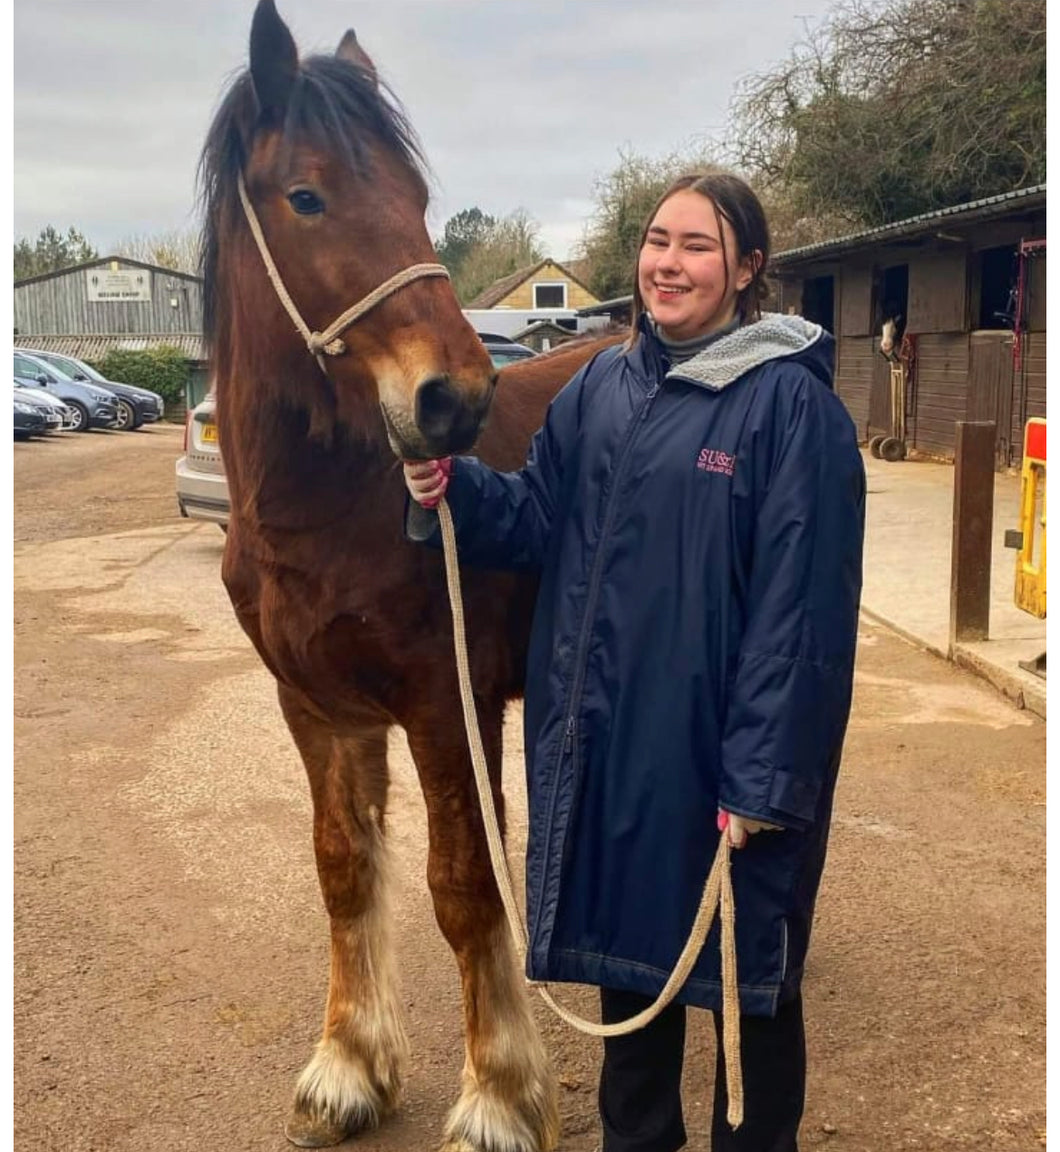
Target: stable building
[113,302]
[965,288]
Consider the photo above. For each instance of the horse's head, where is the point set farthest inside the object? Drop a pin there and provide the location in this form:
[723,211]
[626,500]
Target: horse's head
[333,175]
[890,333]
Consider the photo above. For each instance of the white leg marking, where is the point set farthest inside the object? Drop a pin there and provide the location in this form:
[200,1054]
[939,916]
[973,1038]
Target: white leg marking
[508,1102]
[354,1078]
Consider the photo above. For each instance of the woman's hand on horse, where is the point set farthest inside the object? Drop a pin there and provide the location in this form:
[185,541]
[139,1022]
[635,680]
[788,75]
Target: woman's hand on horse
[427,480]
[740,827]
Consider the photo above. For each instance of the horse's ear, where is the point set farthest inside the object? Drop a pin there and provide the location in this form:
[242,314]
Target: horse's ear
[351,51]
[273,59]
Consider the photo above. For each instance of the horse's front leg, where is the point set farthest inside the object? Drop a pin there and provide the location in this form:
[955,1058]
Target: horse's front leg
[508,1101]
[354,1077]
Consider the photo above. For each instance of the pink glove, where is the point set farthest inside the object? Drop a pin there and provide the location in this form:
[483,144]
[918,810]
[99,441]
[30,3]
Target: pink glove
[427,480]
[740,827]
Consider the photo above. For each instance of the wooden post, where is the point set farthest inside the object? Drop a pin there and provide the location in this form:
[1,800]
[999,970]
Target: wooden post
[973,522]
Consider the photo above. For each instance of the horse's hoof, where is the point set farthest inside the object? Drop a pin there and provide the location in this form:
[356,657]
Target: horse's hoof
[305,1131]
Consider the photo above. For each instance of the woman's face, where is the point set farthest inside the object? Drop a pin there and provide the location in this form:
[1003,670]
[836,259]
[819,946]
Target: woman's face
[681,270]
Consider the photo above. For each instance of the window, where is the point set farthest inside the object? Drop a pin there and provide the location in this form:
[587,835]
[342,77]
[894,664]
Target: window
[27,368]
[550,295]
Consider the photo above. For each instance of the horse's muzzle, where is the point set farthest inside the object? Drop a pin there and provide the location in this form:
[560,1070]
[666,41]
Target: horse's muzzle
[447,419]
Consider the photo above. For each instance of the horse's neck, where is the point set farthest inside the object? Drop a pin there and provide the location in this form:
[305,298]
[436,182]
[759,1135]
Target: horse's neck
[291,473]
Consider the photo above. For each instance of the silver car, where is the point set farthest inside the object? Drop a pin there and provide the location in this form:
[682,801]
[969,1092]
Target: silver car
[202,490]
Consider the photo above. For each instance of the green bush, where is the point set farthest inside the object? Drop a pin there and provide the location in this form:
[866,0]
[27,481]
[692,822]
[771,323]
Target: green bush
[163,370]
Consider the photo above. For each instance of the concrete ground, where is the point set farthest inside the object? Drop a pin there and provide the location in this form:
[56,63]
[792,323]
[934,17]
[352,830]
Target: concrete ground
[908,539]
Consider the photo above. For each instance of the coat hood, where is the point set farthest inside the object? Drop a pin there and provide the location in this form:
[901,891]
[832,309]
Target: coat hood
[774,337]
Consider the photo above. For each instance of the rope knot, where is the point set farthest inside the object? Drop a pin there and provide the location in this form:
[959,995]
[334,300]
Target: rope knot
[318,343]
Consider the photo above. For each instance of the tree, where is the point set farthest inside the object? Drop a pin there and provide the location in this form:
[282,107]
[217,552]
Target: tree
[177,249]
[479,249]
[791,224]
[896,107]
[463,232]
[51,251]
[623,200]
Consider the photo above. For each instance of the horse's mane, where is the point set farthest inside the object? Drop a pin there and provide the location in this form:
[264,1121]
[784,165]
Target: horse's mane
[334,106]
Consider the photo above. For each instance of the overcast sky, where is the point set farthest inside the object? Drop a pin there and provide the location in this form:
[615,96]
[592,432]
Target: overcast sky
[518,104]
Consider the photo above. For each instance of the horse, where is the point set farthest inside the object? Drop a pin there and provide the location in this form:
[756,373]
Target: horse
[891,332]
[351,620]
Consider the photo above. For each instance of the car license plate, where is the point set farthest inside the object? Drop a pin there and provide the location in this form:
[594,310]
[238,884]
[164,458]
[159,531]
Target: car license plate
[209,434]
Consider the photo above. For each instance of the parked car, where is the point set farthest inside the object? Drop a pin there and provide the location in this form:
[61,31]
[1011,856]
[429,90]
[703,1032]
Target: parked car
[202,490]
[504,351]
[29,420]
[136,406]
[90,405]
[55,412]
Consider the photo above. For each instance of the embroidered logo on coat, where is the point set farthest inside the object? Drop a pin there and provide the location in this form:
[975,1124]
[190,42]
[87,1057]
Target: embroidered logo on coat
[714,460]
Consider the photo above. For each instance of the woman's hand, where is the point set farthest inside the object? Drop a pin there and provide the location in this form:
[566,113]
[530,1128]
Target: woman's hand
[740,827]
[427,480]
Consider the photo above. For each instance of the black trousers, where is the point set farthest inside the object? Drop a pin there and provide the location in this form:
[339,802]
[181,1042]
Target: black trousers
[640,1083]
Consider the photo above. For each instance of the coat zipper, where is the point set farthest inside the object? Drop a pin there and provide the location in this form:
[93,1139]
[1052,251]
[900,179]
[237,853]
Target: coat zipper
[581,653]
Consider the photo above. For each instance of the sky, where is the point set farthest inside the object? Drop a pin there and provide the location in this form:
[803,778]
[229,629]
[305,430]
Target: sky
[518,105]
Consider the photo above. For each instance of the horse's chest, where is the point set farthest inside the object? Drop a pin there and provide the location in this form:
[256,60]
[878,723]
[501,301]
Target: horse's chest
[334,639]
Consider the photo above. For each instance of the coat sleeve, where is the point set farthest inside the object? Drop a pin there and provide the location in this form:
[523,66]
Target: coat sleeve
[504,519]
[790,700]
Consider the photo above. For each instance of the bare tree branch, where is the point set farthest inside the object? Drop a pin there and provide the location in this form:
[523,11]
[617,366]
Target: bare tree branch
[895,107]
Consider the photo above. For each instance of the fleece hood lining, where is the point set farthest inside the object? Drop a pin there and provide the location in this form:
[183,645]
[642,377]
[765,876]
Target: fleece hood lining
[774,337]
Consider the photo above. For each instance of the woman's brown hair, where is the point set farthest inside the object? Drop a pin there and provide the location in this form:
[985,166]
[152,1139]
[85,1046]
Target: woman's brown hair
[734,201]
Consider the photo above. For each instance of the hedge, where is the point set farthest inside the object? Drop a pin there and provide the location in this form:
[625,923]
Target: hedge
[163,370]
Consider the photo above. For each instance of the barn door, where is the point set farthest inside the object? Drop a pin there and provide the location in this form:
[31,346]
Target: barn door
[990,382]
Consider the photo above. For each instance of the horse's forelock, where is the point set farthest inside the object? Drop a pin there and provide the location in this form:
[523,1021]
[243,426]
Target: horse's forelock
[334,106]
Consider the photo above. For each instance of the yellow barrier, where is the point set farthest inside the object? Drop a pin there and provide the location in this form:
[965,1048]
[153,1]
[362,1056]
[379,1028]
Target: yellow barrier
[1030,576]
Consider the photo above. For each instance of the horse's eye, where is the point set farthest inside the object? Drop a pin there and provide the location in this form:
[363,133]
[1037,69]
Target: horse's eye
[305,203]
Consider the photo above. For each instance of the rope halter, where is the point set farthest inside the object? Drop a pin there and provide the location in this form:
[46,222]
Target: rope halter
[328,342]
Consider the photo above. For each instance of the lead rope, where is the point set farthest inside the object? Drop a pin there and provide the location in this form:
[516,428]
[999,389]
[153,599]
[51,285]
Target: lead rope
[718,886]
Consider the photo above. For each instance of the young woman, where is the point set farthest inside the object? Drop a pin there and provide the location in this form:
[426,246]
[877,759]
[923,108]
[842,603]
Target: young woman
[695,505]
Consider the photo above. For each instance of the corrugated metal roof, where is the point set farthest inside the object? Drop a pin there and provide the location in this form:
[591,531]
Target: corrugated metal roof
[988,206]
[99,261]
[94,346]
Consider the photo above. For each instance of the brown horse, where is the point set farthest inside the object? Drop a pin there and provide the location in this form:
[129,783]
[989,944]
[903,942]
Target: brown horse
[352,621]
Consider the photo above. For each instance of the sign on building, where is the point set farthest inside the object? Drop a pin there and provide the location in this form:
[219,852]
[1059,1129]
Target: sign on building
[129,285]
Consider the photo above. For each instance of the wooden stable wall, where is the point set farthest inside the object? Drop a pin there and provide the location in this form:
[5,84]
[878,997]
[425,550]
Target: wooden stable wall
[941,391]
[855,362]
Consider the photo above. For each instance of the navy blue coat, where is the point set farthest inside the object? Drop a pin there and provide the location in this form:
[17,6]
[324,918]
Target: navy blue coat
[698,532]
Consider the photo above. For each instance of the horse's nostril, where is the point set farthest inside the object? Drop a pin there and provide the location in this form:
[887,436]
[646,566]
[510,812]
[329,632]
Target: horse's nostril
[444,416]
[436,405]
